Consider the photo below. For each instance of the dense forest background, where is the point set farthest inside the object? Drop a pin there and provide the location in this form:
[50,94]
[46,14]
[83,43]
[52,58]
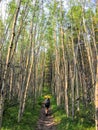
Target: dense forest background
[49,44]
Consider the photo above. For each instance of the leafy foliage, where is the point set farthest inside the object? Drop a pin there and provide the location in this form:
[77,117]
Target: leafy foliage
[82,120]
[28,121]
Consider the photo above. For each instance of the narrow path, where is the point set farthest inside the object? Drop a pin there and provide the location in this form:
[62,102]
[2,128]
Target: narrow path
[45,122]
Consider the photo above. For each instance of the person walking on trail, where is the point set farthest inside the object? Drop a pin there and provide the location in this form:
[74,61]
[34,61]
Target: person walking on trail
[47,105]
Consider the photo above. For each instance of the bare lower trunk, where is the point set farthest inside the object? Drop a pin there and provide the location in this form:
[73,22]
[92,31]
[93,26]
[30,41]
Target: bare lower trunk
[11,84]
[96,98]
[77,91]
[66,89]
[1,107]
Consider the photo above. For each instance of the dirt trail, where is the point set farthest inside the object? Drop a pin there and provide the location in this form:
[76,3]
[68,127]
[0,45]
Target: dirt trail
[45,122]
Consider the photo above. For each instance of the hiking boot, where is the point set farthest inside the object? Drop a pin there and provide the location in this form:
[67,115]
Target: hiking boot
[46,114]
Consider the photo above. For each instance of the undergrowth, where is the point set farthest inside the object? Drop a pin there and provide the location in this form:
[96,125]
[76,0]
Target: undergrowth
[28,121]
[82,121]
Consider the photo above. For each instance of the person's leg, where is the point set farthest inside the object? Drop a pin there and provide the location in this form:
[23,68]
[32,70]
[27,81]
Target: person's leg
[46,111]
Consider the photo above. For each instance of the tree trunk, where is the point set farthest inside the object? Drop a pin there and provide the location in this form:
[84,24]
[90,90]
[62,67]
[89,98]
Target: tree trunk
[27,77]
[96,98]
[57,71]
[96,87]
[8,62]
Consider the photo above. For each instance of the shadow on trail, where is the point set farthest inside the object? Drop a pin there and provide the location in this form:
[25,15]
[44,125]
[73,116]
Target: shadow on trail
[45,122]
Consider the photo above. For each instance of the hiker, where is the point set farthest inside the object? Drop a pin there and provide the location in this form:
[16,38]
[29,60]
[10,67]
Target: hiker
[47,105]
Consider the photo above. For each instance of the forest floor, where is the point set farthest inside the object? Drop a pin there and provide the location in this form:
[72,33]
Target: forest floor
[45,122]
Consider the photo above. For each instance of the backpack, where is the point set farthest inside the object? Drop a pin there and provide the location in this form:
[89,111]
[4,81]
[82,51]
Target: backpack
[47,103]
